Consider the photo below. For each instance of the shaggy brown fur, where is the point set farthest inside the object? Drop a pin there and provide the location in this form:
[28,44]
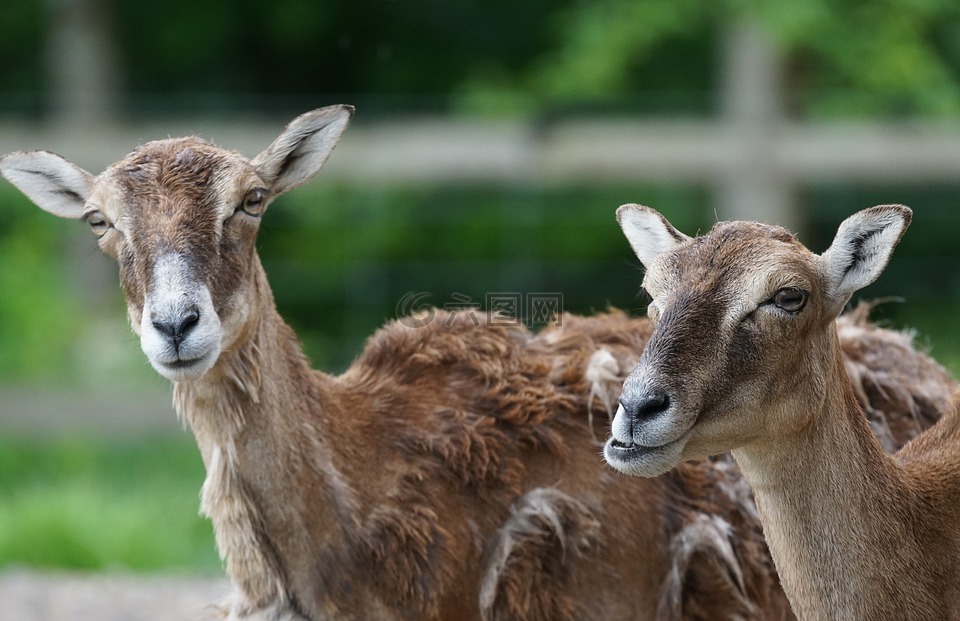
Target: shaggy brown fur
[452,472]
[889,377]
[485,475]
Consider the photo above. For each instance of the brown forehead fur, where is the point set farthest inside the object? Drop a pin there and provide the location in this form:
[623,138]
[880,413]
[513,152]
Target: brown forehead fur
[728,251]
[170,195]
[189,169]
[711,273]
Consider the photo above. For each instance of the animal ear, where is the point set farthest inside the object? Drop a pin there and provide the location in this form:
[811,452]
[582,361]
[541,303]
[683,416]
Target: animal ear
[301,149]
[861,250]
[51,182]
[648,232]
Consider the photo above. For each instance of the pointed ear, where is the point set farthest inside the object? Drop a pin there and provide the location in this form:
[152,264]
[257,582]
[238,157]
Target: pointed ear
[51,182]
[862,249]
[648,232]
[302,148]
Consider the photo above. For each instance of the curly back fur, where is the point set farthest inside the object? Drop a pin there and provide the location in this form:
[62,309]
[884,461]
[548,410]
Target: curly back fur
[901,391]
[487,493]
[533,392]
[528,558]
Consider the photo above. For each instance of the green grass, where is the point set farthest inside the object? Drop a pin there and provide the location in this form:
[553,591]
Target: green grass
[103,504]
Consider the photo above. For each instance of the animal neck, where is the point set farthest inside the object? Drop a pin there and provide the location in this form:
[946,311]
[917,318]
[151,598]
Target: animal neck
[837,511]
[258,418]
[262,371]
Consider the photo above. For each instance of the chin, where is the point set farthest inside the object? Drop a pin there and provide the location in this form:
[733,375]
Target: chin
[643,461]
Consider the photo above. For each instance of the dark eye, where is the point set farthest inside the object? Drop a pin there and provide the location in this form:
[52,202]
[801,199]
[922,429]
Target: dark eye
[97,222]
[255,202]
[790,299]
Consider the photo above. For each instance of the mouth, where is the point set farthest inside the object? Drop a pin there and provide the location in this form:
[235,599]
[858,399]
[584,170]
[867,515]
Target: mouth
[181,364]
[643,461]
[184,369]
[622,445]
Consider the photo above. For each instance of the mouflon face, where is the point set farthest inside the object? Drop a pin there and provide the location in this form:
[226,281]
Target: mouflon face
[180,217]
[743,317]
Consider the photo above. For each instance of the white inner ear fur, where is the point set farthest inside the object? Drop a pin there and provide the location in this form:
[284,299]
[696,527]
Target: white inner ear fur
[862,248]
[648,232]
[51,182]
[302,148]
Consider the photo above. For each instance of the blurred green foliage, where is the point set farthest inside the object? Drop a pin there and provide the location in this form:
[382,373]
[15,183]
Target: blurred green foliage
[37,307]
[103,504]
[23,24]
[845,57]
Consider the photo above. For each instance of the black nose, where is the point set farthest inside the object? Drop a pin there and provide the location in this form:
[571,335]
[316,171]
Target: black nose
[645,406]
[176,328]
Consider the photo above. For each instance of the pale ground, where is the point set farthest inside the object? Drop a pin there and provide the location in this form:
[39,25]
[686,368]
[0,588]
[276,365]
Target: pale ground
[33,596]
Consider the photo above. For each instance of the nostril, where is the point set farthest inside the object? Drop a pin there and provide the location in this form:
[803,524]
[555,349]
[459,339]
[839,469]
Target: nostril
[164,328]
[188,321]
[646,406]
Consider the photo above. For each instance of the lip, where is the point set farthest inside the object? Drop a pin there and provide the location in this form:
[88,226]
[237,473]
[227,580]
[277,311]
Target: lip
[623,447]
[184,369]
[643,461]
[627,451]
[181,364]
